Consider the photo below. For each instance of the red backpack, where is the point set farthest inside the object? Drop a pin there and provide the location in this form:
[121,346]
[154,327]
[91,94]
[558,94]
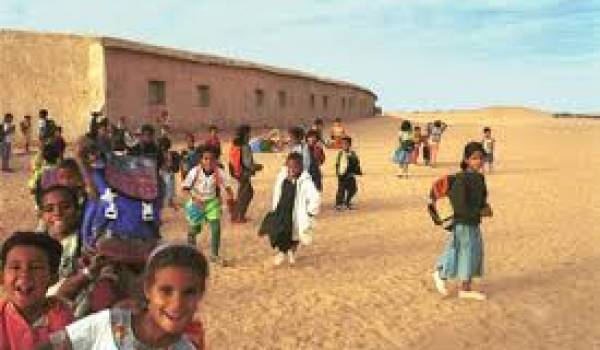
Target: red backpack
[235,161]
[439,206]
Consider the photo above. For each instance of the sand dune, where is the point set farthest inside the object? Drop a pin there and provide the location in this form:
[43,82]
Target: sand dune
[365,284]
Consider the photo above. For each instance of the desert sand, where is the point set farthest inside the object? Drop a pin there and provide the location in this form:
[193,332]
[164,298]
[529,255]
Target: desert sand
[365,283]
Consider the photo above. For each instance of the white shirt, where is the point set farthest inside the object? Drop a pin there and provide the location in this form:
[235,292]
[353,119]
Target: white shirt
[95,332]
[9,130]
[205,186]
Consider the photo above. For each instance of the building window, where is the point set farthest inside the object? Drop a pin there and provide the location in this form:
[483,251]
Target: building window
[282,99]
[351,103]
[343,103]
[157,92]
[312,101]
[325,102]
[260,97]
[203,93]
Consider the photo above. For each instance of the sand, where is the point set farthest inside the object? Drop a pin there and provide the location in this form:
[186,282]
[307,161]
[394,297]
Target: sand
[365,283]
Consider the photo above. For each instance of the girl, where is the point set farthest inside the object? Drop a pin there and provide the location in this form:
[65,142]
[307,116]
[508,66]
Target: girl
[317,158]
[463,257]
[30,264]
[405,148]
[174,283]
[295,203]
[417,139]
[435,137]
[489,143]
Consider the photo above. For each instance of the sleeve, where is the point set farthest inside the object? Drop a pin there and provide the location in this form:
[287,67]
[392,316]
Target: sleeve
[84,333]
[188,182]
[313,199]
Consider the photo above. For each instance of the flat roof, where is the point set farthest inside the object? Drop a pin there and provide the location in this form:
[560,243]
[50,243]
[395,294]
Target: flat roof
[118,43]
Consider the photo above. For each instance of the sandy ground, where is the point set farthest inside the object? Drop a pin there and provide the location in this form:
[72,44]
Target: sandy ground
[365,284]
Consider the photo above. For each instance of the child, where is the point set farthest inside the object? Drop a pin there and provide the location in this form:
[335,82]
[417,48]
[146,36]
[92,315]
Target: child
[205,184]
[59,142]
[295,203]
[463,257]
[247,169]
[337,133]
[26,128]
[42,125]
[8,129]
[435,137]
[174,283]
[169,167]
[417,141]
[489,143]
[30,263]
[213,140]
[189,156]
[317,158]
[347,166]
[298,145]
[318,127]
[405,147]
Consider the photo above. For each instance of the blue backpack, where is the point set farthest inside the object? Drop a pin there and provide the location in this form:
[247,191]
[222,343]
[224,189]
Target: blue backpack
[128,204]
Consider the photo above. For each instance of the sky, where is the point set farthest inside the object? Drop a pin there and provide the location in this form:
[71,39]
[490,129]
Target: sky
[414,54]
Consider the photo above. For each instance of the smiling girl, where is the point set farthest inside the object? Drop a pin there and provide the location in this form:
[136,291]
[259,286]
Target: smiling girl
[174,283]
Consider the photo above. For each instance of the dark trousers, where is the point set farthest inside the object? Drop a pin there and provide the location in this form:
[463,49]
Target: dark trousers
[346,190]
[244,197]
[317,179]
[6,149]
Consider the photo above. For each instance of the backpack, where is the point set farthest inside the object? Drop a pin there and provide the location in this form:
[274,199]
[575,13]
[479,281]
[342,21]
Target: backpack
[128,203]
[439,207]
[235,161]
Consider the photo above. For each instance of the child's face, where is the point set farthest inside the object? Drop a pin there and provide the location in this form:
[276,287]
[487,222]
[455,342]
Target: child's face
[58,213]
[213,132]
[475,161]
[26,276]
[294,168]
[487,133]
[345,145]
[208,160]
[173,298]
[311,140]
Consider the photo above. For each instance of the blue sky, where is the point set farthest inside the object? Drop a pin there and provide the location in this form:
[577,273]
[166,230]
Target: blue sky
[415,54]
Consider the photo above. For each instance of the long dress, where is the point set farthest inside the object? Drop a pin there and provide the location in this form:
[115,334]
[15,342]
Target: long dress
[283,238]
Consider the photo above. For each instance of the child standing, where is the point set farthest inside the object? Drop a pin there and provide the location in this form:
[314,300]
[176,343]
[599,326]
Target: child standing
[8,129]
[489,143]
[435,138]
[189,156]
[206,183]
[59,143]
[296,201]
[30,264]
[463,256]
[298,145]
[317,158]
[26,128]
[337,133]
[405,148]
[174,283]
[347,166]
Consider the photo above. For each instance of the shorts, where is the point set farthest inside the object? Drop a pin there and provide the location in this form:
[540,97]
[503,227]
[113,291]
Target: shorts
[195,216]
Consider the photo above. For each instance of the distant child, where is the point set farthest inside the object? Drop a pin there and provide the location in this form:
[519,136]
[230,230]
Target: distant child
[417,139]
[406,145]
[435,138]
[317,158]
[206,184]
[42,126]
[174,283]
[30,263]
[318,127]
[26,129]
[214,141]
[298,145]
[6,139]
[296,202]
[189,156]
[489,143]
[59,142]
[168,167]
[347,167]
[463,256]
[147,145]
[242,168]
[337,133]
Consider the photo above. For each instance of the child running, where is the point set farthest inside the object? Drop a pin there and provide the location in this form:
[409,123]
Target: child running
[489,143]
[296,201]
[463,256]
[30,263]
[205,184]
[347,166]
[174,283]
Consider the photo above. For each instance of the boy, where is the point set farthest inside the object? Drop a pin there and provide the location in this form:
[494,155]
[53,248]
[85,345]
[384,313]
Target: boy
[298,145]
[247,169]
[337,133]
[213,140]
[30,264]
[189,156]
[25,127]
[147,145]
[59,142]
[317,158]
[489,144]
[8,129]
[205,184]
[347,166]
